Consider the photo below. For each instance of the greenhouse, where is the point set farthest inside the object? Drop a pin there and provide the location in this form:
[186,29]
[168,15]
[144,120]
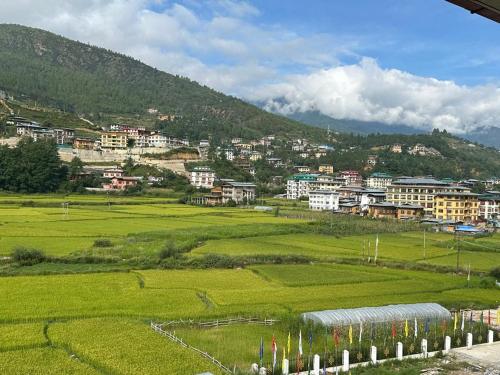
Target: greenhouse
[382,314]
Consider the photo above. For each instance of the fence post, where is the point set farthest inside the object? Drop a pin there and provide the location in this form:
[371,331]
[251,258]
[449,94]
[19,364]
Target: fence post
[424,348]
[469,341]
[399,351]
[345,360]
[316,365]
[373,354]
[447,344]
[286,367]
[490,336]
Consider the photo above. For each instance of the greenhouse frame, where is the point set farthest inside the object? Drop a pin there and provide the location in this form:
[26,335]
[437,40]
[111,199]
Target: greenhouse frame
[381,314]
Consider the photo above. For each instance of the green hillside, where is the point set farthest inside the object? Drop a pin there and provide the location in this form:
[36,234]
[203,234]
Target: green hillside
[102,85]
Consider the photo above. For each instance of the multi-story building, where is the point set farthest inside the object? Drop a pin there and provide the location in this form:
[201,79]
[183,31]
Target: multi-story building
[298,186]
[353,178]
[379,180]
[419,192]
[83,143]
[326,169]
[255,155]
[397,148]
[456,206]
[114,140]
[385,210]
[112,172]
[35,131]
[325,182]
[302,168]
[323,200]
[202,177]
[122,183]
[489,205]
[238,192]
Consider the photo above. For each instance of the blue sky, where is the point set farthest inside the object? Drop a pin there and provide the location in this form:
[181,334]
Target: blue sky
[424,63]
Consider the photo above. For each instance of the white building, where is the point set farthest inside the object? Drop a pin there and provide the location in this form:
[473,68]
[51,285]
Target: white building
[489,206]
[299,185]
[323,200]
[202,177]
[238,192]
[379,181]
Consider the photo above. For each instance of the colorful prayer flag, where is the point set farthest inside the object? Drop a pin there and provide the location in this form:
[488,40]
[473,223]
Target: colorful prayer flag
[261,351]
[393,330]
[274,349]
[455,322]
[416,328]
[406,328]
[350,334]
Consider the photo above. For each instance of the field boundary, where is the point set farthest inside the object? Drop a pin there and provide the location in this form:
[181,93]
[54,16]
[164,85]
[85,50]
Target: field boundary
[158,327]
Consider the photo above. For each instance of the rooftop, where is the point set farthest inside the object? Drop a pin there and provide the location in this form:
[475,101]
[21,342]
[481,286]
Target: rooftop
[427,181]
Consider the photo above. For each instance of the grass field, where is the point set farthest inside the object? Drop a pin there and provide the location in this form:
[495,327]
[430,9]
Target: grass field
[402,247]
[84,319]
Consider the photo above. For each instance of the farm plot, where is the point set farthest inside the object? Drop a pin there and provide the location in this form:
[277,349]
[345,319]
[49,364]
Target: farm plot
[21,336]
[43,361]
[324,274]
[401,247]
[49,229]
[126,347]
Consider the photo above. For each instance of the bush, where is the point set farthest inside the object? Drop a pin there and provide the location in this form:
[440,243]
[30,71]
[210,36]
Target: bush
[103,243]
[169,251]
[28,257]
[495,272]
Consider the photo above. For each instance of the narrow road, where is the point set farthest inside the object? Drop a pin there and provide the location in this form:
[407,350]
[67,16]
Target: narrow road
[484,355]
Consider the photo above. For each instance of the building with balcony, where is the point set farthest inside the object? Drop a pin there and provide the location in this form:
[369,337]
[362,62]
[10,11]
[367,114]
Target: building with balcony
[202,177]
[456,207]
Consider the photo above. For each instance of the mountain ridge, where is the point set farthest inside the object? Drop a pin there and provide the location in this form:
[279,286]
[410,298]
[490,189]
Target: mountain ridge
[84,79]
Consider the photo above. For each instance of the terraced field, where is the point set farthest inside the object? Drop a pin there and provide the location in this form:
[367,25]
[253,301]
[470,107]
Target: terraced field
[97,322]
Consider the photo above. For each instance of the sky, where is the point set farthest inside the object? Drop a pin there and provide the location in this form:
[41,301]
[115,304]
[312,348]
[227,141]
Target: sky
[423,63]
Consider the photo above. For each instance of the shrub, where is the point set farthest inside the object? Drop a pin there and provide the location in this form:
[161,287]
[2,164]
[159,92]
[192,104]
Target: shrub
[495,272]
[169,251]
[28,257]
[103,243]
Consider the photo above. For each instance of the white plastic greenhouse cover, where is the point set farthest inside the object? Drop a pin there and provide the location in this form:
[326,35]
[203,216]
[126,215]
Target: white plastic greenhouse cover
[378,314]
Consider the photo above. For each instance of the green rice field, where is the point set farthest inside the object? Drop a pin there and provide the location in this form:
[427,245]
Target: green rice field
[81,318]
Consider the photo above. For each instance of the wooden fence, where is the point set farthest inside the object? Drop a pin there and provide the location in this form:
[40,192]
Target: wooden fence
[159,328]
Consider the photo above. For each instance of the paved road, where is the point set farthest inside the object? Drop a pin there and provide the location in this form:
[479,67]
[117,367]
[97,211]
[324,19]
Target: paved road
[485,355]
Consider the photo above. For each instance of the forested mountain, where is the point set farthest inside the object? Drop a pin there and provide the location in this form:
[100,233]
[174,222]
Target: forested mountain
[485,136]
[76,77]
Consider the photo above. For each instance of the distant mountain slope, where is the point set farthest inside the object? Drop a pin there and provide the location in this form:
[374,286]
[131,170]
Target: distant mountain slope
[486,136]
[316,118]
[80,78]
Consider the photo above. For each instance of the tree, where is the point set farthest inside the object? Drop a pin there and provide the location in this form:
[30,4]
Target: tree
[75,166]
[31,167]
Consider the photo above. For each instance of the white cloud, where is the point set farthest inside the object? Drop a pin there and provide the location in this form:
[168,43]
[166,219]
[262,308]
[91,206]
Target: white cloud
[365,91]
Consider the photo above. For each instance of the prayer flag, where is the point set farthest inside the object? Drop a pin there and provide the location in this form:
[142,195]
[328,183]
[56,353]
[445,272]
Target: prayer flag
[300,342]
[350,334]
[406,328]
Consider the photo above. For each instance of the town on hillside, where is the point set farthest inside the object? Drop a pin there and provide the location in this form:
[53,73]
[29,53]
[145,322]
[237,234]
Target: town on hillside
[444,202]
